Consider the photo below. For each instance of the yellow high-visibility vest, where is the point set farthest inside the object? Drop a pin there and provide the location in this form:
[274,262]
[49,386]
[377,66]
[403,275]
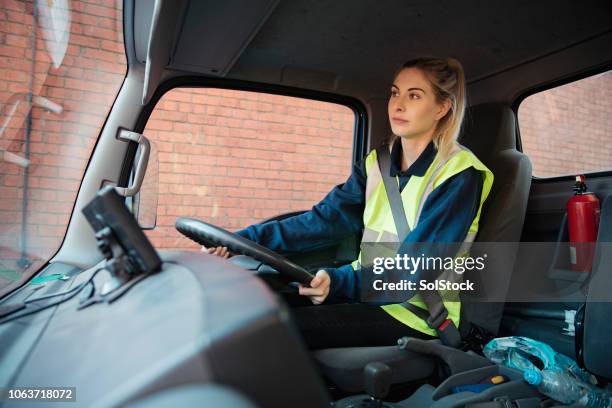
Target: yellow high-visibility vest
[379,225]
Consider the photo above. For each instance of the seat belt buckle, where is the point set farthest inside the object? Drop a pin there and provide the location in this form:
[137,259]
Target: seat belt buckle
[449,334]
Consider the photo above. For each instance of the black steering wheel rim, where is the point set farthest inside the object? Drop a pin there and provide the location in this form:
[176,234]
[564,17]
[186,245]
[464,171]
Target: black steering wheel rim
[210,235]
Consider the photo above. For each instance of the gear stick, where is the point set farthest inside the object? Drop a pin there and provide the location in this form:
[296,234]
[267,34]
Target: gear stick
[377,379]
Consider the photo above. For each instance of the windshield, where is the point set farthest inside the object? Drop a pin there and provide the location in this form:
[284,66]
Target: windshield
[62,64]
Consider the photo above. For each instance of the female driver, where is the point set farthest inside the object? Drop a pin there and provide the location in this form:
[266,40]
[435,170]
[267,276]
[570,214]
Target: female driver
[442,186]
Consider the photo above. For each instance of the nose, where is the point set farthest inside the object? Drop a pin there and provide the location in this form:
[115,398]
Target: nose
[398,104]
[399,107]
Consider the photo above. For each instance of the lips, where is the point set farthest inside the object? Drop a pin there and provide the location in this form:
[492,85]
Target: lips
[399,121]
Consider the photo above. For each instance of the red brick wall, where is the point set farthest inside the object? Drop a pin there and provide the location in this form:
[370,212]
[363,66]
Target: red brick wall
[85,86]
[234,158]
[271,140]
[568,129]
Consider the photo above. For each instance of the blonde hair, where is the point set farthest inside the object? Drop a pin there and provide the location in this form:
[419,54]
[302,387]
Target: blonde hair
[447,80]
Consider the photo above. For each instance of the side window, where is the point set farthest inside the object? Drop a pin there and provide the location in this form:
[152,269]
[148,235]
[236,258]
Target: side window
[568,130]
[234,158]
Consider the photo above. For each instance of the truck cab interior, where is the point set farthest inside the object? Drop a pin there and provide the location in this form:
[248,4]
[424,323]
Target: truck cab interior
[207,331]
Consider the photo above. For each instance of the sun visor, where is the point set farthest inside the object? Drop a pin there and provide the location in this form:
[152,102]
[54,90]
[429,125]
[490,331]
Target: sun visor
[208,44]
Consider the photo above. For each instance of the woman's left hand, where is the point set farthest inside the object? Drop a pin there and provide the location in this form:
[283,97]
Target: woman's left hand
[219,251]
[319,287]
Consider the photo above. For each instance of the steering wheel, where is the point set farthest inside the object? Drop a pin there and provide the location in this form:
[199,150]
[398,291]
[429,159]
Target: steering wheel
[210,235]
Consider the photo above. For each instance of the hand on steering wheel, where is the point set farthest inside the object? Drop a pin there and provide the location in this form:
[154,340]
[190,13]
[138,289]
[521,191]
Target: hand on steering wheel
[219,251]
[319,288]
[212,236]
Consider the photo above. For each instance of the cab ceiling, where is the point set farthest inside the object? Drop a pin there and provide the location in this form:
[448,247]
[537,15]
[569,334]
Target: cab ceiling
[354,46]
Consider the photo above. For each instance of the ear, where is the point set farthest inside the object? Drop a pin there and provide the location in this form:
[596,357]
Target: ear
[443,109]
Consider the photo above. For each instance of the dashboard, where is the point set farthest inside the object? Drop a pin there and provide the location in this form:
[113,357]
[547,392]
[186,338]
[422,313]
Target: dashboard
[201,321]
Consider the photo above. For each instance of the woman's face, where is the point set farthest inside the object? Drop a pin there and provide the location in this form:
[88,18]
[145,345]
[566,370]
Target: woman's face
[413,111]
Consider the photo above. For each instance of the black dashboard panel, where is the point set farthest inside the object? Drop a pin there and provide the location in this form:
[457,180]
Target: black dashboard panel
[200,320]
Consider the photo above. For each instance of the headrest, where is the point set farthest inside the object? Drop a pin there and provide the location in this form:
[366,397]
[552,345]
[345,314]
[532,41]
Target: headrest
[488,128]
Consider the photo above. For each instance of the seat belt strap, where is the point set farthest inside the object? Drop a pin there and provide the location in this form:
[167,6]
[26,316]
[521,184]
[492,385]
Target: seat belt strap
[436,315]
[393,195]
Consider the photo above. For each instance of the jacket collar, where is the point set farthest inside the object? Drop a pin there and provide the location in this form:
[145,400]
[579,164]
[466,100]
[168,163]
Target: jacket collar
[420,165]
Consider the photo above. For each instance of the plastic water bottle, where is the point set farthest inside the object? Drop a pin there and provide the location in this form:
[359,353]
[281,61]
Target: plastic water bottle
[563,362]
[518,352]
[566,389]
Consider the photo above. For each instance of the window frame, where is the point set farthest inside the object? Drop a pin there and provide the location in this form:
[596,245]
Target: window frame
[600,69]
[359,110]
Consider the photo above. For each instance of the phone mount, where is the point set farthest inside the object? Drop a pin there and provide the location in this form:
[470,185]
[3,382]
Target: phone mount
[117,262]
[127,250]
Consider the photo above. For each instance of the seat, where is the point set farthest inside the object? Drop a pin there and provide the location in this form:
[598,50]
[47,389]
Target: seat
[490,132]
[592,337]
[343,367]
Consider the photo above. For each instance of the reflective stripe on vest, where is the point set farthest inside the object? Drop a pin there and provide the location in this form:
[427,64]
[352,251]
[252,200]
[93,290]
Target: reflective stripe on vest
[380,227]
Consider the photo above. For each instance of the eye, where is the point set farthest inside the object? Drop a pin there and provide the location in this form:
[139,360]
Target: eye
[394,92]
[414,96]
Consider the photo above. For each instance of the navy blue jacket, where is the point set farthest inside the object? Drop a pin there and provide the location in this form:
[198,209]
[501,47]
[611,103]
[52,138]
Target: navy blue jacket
[446,216]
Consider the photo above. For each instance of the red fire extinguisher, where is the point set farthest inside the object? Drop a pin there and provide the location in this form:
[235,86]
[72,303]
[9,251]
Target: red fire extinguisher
[583,222]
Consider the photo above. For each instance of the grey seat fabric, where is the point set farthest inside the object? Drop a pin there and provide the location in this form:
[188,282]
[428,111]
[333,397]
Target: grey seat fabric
[195,395]
[490,133]
[344,366]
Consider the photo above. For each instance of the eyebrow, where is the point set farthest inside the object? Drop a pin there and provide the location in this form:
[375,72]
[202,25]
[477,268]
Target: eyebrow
[410,89]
